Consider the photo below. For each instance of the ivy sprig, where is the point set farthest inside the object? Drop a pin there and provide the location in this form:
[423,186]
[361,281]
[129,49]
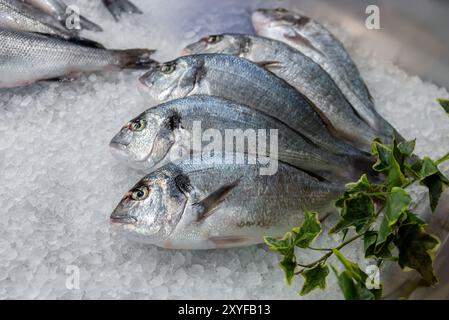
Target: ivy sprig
[380,215]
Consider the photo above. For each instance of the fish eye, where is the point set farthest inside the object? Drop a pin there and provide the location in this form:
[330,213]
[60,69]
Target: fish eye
[138,125]
[280,10]
[214,39]
[168,68]
[140,193]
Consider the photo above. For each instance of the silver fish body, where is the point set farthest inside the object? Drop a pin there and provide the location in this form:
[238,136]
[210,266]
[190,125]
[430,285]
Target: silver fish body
[18,16]
[175,129]
[316,42]
[244,82]
[202,203]
[28,57]
[59,10]
[299,71]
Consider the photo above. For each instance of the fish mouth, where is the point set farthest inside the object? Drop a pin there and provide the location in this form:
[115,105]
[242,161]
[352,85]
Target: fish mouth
[121,219]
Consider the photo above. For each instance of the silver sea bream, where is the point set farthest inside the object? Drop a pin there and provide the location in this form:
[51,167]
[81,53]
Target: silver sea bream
[302,73]
[201,203]
[163,133]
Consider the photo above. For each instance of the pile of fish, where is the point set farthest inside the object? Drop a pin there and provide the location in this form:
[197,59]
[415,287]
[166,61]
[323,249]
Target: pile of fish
[35,44]
[293,84]
[293,77]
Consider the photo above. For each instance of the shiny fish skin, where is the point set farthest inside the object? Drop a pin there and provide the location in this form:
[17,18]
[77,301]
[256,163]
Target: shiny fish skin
[315,41]
[299,71]
[239,80]
[28,57]
[171,207]
[169,126]
[58,9]
[18,16]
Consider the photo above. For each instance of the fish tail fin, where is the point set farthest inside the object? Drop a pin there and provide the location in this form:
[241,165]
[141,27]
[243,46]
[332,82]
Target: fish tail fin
[89,25]
[119,7]
[135,59]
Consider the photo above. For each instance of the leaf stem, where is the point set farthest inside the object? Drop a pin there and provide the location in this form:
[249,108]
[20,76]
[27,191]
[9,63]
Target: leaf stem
[327,255]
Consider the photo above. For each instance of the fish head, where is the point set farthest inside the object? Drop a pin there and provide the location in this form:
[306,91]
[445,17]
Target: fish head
[153,207]
[266,22]
[220,43]
[172,80]
[145,140]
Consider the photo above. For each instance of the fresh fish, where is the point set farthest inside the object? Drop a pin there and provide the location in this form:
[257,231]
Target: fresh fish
[203,203]
[299,71]
[316,42]
[119,7]
[29,57]
[58,9]
[15,15]
[241,81]
[159,134]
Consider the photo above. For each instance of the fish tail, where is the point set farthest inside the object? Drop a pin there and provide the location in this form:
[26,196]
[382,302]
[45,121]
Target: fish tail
[135,59]
[119,7]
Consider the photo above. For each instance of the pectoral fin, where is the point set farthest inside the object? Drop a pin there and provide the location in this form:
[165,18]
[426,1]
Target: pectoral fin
[269,65]
[207,206]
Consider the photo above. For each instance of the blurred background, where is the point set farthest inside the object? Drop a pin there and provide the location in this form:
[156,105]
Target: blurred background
[414,34]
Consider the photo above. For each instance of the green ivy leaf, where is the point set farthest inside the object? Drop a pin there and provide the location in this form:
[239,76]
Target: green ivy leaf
[373,250]
[353,289]
[398,201]
[357,212]
[407,147]
[433,179]
[397,204]
[445,104]
[347,285]
[388,164]
[289,264]
[352,268]
[284,246]
[308,232]
[417,250]
[314,278]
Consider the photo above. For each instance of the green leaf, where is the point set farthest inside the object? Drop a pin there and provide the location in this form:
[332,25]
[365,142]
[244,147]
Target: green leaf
[362,185]
[445,104]
[314,278]
[388,164]
[308,232]
[284,246]
[289,264]
[417,250]
[354,290]
[433,179]
[373,250]
[349,288]
[398,201]
[407,147]
[357,212]
[397,204]
[352,268]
